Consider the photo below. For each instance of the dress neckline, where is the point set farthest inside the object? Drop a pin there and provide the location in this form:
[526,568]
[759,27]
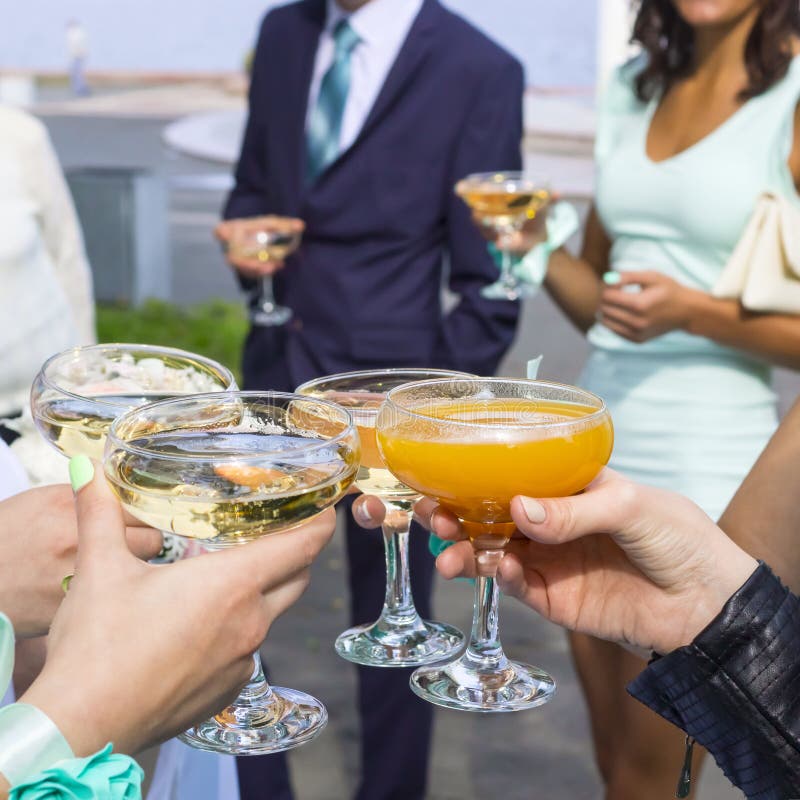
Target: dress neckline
[653,105]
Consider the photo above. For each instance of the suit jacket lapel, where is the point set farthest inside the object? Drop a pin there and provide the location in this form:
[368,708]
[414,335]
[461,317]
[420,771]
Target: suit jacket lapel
[410,59]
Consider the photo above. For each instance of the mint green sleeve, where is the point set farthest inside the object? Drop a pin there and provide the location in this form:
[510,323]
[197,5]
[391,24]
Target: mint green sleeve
[616,100]
[38,762]
[103,776]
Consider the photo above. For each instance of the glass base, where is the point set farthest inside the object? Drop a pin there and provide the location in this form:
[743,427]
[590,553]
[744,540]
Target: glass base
[287,719]
[270,316]
[513,688]
[376,645]
[502,290]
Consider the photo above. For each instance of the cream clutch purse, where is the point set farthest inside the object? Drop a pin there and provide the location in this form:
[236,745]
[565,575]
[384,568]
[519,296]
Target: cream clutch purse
[764,270]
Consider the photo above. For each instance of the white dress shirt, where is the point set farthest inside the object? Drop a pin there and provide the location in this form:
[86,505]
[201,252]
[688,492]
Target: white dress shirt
[382,26]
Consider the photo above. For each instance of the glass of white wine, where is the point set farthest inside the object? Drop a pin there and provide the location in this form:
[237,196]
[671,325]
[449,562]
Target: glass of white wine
[505,201]
[399,637]
[266,245]
[226,469]
[78,394]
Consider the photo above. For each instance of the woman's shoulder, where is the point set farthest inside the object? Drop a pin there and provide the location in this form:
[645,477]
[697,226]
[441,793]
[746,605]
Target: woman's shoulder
[620,94]
[627,73]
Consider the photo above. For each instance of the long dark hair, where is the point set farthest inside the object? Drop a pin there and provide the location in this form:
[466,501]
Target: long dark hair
[669,42]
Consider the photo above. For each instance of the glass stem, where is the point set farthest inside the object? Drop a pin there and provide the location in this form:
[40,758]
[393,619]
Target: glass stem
[248,710]
[267,296]
[484,651]
[506,276]
[398,606]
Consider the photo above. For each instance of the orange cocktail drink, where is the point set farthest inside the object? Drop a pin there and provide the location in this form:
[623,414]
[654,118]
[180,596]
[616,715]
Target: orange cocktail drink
[473,445]
[498,448]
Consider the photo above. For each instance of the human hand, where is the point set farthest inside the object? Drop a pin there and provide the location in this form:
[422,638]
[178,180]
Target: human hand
[38,544]
[661,305]
[519,242]
[234,235]
[620,561]
[139,652]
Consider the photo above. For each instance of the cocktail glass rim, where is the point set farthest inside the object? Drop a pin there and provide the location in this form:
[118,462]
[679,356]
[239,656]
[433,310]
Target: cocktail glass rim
[499,177]
[314,444]
[365,373]
[598,412]
[101,399]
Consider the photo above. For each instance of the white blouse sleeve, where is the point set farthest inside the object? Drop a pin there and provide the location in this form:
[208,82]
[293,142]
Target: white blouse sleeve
[62,235]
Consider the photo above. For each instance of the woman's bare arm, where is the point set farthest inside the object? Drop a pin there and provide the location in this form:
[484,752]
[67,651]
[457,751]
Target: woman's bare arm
[575,283]
[764,516]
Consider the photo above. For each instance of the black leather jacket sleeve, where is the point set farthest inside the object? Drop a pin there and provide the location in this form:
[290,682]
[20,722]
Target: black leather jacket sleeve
[736,688]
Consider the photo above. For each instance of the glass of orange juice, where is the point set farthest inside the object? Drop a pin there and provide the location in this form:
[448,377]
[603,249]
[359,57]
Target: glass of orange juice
[399,637]
[472,445]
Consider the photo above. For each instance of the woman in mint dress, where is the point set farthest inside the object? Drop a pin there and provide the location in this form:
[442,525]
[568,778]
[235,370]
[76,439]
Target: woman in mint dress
[689,135]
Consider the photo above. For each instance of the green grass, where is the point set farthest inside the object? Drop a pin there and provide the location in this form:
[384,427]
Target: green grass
[215,329]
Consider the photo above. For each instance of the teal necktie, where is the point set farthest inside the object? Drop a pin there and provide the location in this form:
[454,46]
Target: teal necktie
[325,125]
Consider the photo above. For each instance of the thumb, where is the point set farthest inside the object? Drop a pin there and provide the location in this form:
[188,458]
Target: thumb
[640,278]
[223,231]
[605,506]
[101,525]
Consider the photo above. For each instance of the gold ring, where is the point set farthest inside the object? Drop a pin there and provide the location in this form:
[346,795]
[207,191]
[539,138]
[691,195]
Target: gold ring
[65,582]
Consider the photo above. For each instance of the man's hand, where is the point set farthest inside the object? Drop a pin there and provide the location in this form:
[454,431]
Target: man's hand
[234,235]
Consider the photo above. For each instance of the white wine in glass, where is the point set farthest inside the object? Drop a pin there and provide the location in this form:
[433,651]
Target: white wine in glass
[505,201]
[229,468]
[77,394]
[266,245]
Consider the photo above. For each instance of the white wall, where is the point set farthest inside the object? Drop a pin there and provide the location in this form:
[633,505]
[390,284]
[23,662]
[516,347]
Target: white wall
[554,38]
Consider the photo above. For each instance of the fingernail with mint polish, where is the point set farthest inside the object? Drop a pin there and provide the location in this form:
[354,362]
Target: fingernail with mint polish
[611,278]
[534,510]
[81,472]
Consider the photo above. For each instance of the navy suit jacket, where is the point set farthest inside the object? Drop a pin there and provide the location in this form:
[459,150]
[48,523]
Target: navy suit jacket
[384,229]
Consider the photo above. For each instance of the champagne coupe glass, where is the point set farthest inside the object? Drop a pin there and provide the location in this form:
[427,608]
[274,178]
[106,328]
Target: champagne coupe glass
[266,245]
[473,445]
[226,469]
[400,637]
[78,394]
[505,201]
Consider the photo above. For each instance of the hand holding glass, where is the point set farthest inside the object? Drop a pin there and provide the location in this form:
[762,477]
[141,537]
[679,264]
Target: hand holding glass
[472,445]
[226,469]
[504,201]
[265,245]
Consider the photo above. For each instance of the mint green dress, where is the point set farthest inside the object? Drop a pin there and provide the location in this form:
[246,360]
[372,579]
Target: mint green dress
[689,415]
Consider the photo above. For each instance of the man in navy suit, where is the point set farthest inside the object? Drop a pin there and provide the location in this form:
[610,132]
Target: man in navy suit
[363,115]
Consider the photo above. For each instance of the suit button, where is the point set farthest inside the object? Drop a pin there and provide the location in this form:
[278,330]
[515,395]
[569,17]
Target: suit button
[296,324]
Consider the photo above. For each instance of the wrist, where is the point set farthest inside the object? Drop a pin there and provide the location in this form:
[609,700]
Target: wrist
[696,304]
[714,594]
[30,742]
[66,706]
